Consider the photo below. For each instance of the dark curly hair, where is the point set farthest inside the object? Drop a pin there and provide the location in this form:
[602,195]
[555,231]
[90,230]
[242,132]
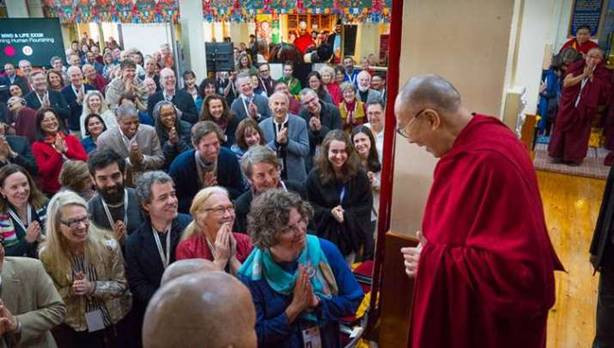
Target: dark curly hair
[270,213]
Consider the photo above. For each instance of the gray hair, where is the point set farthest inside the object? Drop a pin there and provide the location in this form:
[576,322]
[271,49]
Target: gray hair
[146,181]
[53,59]
[202,128]
[73,68]
[306,92]
[258,154]
[241,77]
[126,110]
[363,73]
[282,95]
[347,85]
[166,72]
[327,69]
[159,105]
[270,213]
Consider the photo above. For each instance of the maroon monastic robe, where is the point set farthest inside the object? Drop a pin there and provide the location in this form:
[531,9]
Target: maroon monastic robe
[485,276]
[572,126]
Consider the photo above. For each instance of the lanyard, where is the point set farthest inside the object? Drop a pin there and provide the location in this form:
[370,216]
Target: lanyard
[165,259]
[245,106]
[41,100]
[18,219]
[108,212]
[342,194]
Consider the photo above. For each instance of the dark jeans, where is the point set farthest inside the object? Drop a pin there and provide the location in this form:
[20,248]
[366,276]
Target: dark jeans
[604,337]
[124,334]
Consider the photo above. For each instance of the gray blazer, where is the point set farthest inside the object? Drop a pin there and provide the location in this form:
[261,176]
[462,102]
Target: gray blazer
[239,108]
[148,142]
[371,95]
[29,294]
[298,145]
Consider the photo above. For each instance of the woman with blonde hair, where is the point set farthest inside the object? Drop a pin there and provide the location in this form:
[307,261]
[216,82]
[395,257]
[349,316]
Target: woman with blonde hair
[328,80]
[87,268]
[94,103]
[209,235]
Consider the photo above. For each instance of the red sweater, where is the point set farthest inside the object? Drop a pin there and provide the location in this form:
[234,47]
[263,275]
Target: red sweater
[50,162]
[196,247]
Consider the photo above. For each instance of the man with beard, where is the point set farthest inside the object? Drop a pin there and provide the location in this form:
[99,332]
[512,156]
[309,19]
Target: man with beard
[365,92]
[114,207]
[262,169]
[151,248]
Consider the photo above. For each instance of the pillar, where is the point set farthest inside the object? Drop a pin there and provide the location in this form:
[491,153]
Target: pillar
[17,9]
[240,33]
[35,8]
[367,40]
[192,36]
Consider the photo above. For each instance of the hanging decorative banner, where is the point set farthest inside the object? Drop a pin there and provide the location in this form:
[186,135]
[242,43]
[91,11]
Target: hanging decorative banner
[116,11]
[164,11]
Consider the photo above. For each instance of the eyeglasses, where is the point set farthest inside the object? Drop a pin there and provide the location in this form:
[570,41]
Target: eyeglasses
[403,131]
[74,223]
[221,210]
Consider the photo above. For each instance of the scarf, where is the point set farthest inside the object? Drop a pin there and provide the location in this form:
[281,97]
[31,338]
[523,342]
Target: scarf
[260,263]
[50,139]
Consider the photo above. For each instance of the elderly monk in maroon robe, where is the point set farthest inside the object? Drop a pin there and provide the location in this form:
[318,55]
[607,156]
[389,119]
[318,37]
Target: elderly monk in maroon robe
[485,266]
[585,87]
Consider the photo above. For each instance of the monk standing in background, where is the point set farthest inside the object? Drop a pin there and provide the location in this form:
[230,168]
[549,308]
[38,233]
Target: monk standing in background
[485,266]
[585,87]
[582,42]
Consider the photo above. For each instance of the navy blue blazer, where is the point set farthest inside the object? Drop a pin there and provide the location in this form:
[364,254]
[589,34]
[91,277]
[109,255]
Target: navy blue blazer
[56,100]
[187,184]
[75,108]
[144,267]
[182,100]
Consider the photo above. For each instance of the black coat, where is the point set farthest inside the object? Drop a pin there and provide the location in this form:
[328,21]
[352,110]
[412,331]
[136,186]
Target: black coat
[24,158]
[330,119]
[5,84]
[56,100]
[357,202]
[244,201]
[144,267]
[182,100]
[75,108]
[602,245]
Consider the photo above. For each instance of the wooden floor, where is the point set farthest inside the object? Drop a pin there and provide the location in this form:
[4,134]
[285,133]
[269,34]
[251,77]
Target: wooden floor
[571,205]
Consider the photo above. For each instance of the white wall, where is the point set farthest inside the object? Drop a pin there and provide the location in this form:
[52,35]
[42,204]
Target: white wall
[146,37]
[536,24]
[467,42]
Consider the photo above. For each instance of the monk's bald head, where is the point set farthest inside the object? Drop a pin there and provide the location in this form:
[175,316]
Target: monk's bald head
[430,91]
[594,56]
[429,113]
[183,267]
[204,310]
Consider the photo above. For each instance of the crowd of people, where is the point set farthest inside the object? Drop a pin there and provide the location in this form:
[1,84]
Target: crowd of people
[109,173]
[576,102]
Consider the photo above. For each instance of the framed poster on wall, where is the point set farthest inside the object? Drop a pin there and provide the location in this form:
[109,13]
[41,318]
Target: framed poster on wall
[34,39]
[585,12]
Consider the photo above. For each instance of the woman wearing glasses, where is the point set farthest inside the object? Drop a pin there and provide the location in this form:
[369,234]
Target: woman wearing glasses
[88,270]
[300,283]
[209,235]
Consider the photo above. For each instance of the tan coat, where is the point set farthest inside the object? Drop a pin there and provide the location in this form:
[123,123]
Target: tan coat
[29,294]
[111,287]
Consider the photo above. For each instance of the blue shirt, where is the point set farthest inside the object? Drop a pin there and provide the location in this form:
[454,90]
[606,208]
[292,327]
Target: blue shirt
[272,325]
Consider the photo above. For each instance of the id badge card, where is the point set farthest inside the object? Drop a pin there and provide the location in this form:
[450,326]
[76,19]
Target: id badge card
[94,320]
[311,337]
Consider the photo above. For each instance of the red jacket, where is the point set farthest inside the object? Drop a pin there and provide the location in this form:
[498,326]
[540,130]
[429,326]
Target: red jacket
[50,162]
[196,247]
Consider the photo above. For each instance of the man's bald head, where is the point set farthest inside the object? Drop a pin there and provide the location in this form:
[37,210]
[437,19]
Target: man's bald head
[183,267]
[204,310]
[429,113]
[430,91]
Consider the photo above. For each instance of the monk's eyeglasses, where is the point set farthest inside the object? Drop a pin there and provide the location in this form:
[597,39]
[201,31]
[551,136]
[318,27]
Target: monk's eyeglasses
[403,131]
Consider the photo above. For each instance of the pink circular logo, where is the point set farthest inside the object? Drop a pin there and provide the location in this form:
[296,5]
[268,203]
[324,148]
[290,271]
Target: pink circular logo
[10,51]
